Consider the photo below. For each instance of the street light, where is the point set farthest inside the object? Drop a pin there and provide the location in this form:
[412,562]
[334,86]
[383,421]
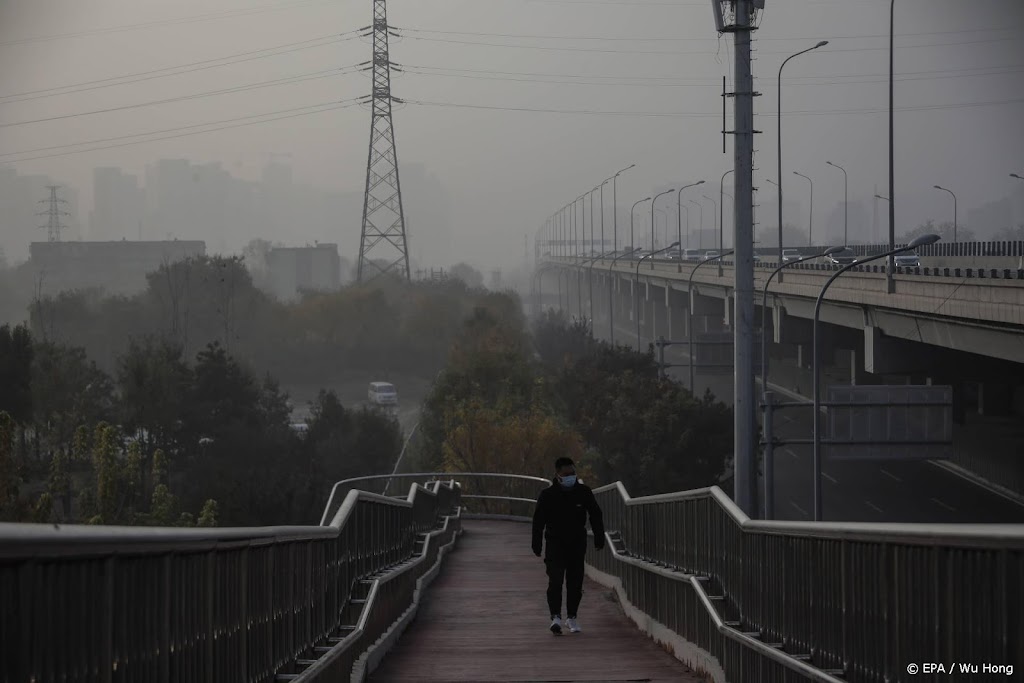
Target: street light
[611,293]
[637,308]
[632,236]
[614,206]
[878,196]
[890,283]
[653,202]
[918,242]
[679,214]
[689,310]
[714,217]
[937,187]
[778,182]
[1014,175]
[700,235]
[769,478]
[810,218]
[846,202]
[664,215]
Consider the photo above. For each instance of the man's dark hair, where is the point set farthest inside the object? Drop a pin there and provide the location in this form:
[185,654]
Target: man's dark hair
[564,462]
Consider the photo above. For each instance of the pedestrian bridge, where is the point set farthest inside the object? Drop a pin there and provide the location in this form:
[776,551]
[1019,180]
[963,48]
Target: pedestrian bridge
[439,584]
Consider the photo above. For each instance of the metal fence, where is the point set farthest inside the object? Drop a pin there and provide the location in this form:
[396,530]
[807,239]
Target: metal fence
[794,601]
[161,604]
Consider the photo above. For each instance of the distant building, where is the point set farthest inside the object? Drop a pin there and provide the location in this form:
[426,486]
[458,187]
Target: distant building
[295,269]
[117,205]
[115,267]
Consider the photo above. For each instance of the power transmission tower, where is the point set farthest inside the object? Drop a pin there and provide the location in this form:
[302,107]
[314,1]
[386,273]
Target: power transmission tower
[54,212]
[383,247]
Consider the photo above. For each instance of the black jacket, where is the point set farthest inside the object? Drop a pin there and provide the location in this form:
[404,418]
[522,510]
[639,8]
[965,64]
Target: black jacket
[560,517]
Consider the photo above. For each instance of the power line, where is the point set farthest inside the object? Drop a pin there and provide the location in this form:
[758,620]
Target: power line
[185,68]
[326,73]
[677,39]
[668,82]
[237,122]
[193,19]
[675,52]
[684,115]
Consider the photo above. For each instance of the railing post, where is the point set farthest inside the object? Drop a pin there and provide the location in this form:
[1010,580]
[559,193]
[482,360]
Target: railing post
[107,638]
[165,620]
[769,455]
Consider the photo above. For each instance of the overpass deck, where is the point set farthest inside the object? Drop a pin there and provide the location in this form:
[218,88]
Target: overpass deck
[485,619]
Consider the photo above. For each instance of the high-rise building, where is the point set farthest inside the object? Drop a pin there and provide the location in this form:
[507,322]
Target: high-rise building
[117,206]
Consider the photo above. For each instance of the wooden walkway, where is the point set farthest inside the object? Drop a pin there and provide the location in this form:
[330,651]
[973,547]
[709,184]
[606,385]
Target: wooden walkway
[485,618]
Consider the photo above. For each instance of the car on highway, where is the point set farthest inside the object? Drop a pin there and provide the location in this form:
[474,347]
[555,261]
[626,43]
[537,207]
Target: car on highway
[842,258]
[691,255]
[714,253]
[790,255]
[382,394]
[674,255]
[908,259]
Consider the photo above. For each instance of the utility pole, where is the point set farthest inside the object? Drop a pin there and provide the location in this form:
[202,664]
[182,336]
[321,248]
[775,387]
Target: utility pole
[745,408]
[383,231]
[53,213]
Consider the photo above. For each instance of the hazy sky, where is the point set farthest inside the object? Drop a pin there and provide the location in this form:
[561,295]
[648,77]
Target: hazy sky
[506,169]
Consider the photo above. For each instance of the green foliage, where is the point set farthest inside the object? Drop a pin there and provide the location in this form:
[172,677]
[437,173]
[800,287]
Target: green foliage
[208,515]
[16,372]
[467,274]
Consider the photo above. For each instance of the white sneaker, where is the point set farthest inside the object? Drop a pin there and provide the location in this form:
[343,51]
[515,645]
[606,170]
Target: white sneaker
[574,626]
[556,625]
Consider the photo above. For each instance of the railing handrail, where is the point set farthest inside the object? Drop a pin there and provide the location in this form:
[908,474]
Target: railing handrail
[417,475]
[991,535]
[52,540]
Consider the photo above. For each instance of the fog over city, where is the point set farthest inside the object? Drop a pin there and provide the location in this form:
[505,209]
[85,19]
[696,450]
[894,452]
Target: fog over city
[510,109]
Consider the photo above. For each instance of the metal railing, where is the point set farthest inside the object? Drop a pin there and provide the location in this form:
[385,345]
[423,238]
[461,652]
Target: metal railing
[780,601]
[82,603]
[481,493]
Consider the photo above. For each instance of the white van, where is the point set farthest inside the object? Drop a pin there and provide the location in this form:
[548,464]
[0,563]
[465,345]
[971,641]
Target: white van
[382,394]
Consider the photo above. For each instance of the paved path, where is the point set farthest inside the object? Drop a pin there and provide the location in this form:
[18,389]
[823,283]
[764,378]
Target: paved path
[485,619]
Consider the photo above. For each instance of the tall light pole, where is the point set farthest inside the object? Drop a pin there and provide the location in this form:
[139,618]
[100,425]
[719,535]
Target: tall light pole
[721,207]
[810,217]
[714,217]
[638,262]
[1014,175]
[689,311]
[778,181]
[846,203]
[700,234]
[632,235]
[664,215]
[611,293]
[769,467]
[615,208]
[653,202]
[890,265]
[679,207]
[937,187]
[920,241]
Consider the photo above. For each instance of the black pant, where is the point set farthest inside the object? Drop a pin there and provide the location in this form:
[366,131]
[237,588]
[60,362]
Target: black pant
[565,563]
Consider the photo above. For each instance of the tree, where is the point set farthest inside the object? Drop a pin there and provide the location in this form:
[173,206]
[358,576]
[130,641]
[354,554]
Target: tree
[153,381]
[1009,234]
[468,274]
[16,372]
[943,230]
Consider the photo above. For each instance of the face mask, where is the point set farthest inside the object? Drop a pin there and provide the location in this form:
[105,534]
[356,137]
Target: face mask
[568,481]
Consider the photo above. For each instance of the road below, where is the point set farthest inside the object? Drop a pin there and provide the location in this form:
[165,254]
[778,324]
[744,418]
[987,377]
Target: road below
[852,490]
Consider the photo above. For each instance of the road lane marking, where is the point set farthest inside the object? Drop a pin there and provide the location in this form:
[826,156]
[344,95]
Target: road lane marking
[829,478]
[948,507]
[890,474]
[802,511]
[873,506]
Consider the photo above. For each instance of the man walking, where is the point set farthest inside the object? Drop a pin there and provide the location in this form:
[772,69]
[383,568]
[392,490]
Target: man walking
[560,518]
